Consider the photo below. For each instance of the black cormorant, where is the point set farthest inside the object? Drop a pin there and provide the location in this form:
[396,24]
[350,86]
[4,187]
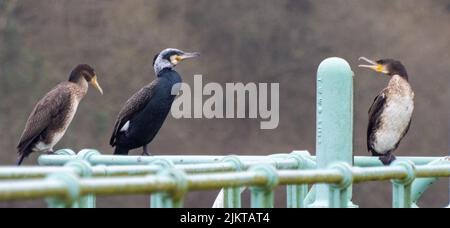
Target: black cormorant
[145,112]
[391,113]
[52,115]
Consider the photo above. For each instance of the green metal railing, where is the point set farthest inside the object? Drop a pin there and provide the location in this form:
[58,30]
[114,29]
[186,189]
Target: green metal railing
[74,180]
[73,183]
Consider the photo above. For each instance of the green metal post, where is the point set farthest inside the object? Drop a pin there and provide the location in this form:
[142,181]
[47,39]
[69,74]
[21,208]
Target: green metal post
[161,199]
[334,133]
[84,170]
[296,194]
[338,196]
[232,196]
[172,199]
[402,197]
[88,201]
[263,196]
[73,191]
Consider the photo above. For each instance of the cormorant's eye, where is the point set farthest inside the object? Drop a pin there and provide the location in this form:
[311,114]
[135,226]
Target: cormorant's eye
[174,59]
[87,76]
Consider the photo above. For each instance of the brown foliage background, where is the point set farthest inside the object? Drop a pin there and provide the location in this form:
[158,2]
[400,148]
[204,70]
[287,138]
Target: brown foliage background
[279,41]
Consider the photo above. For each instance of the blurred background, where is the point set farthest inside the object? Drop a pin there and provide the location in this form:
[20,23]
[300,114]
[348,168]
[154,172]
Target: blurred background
[268,41]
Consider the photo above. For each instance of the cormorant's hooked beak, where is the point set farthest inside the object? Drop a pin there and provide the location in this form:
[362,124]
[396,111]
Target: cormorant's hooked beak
[373,65]
[94,82]
[185,56]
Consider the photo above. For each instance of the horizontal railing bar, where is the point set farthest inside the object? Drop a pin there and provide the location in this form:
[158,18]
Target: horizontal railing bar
[287,177]
[378,174]
[362,161]
[218,181]
[102,170]
[59,160]
[30,172]
[32,189]
[136,185]
[122,185]
[432,171]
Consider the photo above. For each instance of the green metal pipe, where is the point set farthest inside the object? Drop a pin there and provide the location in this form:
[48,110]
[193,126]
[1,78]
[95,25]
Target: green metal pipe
[433,169]
[217,181]
[135,185]
[296,195]
[106,171]
[377,174]
[102,170]
[7,173]
[124,185]
[59,160]
[32,189]
[375,162]
[299,177]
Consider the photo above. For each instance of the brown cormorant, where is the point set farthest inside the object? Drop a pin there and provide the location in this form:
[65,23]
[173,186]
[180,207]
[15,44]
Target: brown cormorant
[52,115]
[391,113]
[144,113]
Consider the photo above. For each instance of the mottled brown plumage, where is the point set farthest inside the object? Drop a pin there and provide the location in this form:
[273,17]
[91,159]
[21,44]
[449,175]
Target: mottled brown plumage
[53,114]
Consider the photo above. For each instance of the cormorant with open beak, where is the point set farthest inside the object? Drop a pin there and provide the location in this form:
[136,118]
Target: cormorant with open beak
[391,113]
[53,114]
[145,112]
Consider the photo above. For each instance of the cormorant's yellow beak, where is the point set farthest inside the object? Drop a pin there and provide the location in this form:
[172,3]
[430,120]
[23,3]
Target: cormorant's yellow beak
[94,82]
[373,65]
[185,56]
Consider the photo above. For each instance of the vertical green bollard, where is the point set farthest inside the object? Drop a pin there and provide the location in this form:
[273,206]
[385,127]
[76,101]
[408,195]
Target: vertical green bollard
[402,190]
[232,196]
[334,133]
[73,191]
[83,169]
[338,196]
[263,196]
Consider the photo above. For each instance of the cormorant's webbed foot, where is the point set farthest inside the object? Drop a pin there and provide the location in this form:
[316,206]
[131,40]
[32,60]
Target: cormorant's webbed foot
[145,151]
[50,152]
[387,159]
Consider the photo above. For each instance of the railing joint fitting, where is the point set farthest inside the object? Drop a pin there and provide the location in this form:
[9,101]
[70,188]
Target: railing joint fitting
[272,176]
[410,169]
[347,175]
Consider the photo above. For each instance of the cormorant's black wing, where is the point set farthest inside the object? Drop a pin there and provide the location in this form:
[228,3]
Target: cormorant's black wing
[46,110]
[134,105]
[375,118]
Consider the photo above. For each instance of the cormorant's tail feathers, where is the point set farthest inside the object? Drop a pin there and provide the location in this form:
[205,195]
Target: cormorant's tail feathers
[20,159]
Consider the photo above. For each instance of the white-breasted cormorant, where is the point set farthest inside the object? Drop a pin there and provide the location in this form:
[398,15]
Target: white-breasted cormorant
[391,113]
[144,113]
[54,112]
